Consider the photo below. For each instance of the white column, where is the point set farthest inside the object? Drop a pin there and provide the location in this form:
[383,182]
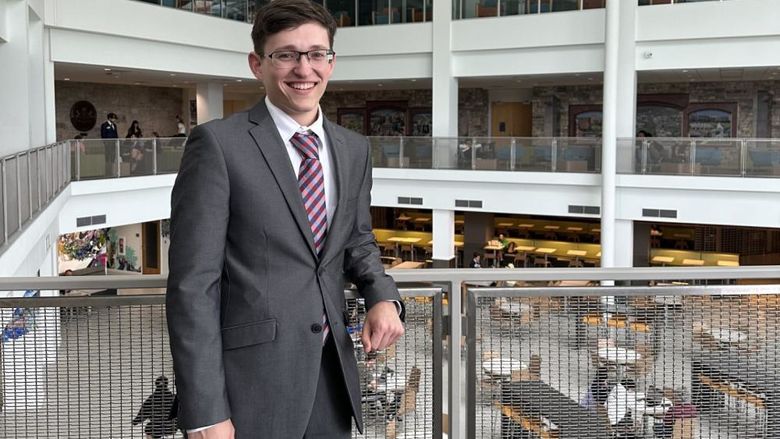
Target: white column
[619,111]
[445,86]
[624,243]
[443,235]
[14,79]
[209,101]
[49,97]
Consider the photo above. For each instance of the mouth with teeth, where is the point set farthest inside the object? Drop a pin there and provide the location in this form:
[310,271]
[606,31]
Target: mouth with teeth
[301,86]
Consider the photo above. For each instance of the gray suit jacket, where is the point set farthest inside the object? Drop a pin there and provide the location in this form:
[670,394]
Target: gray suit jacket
[246,286]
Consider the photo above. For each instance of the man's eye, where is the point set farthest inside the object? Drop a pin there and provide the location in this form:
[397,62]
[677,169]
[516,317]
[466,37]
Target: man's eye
[285,56]
[318,55]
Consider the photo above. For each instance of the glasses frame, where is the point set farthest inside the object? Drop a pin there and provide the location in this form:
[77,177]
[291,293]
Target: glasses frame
[329,53]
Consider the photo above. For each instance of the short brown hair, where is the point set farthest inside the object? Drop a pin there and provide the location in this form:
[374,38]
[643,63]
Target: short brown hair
[280,15]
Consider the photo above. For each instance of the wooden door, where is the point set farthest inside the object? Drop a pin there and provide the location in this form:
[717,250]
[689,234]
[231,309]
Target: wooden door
[511,119]
[150,245]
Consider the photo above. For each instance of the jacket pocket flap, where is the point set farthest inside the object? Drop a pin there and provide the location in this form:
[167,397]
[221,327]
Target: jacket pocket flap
[249,334]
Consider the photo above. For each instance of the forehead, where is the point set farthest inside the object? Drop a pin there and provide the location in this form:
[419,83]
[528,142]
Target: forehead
[303,37]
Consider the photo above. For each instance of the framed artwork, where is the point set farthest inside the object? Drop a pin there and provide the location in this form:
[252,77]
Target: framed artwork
[387,118]
[585,120]
[420,122]
[120,245]
[352,119]
[711,120]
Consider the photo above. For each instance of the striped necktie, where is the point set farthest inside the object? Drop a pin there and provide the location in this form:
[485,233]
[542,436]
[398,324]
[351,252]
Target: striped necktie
[311,183]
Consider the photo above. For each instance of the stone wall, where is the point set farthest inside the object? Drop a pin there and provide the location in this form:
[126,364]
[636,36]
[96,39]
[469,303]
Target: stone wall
[473,105]
[744,94]
[155,108]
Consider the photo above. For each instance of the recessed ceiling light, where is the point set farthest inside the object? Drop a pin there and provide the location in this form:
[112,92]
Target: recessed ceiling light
[107,69]
[239,80]
[174,85]
[380,85]
[171,74]
[578,74]
[685,70]
[413,80]
[66,79]
[136,83]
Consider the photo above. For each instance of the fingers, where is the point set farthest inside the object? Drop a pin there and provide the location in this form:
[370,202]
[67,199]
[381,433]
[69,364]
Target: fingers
[365,337]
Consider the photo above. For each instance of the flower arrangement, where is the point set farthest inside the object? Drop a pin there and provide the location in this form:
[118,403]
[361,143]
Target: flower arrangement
[82,245]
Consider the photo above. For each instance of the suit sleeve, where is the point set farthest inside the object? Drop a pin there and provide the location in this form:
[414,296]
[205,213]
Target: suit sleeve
[199,219]
[362,264]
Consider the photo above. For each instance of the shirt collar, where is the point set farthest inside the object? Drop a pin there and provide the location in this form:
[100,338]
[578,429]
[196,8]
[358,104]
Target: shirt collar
[287,126]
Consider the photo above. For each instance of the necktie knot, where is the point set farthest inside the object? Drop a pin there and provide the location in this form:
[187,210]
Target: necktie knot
[307,144]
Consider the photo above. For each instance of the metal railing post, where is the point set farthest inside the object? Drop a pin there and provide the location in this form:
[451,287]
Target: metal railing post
[18,194]
[154,156]
[455,369]
[473,154]
[5,199]
[743,157]
[692,158]
[401,152]
[78,162]
[643,156]
[554,155]
[471,361]
[512,154]
[434,154]
[29,185]
[438,366]
[118,160]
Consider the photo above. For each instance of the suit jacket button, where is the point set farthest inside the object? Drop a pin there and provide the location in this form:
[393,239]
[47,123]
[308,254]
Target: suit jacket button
[316,328]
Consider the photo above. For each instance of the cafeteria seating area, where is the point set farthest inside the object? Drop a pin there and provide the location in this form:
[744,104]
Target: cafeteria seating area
[405,239]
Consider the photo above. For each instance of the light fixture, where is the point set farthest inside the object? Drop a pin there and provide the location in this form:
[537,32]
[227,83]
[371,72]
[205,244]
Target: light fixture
[380,85]
[171,74]
[413,80]
[107,70]
[66,79]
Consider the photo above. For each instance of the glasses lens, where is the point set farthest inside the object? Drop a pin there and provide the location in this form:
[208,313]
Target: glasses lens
[318,56]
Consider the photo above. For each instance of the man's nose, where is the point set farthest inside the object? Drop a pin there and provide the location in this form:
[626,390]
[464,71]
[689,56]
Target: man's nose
[303,66]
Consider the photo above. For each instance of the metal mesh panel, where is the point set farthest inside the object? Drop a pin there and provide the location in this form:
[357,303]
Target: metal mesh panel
[702,363]
[85,371]
[82,371]
[398,384]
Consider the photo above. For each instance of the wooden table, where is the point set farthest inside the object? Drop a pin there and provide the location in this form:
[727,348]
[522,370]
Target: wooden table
[524,249]
[695,262]
[407,265]
[397,240]
[495,249]
[576,254]
[663,260]
[545,251]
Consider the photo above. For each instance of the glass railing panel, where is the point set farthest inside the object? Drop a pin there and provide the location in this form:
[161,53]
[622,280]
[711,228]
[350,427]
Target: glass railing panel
[137,157]
[716,157]
[343,11]
[24,187]
[92,159]
[563,5]
[379,12]
[578,154]
[234,9]
[386,152]
[419,150]
[533,154]
[169,154]
[762,158]
[12,198]
[594,4]
[668,156]
[2,204]
[628,159]
[486,153]
[34,183]
[418,11]
[513,7]
[481,8]
[50,184]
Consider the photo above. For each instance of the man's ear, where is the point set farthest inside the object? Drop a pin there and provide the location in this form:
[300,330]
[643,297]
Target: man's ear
[256,65]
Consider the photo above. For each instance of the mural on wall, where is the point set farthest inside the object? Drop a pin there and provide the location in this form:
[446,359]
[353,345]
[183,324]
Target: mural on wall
[587,124]
[353,119]
[710,123]
[121,255]
[421,122]
[659,120]
[22,321]
[387,122]
[82,245]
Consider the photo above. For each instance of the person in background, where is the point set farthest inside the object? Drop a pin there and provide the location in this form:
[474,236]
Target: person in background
[108,130]
[181,129]
[157,410]
[134,132]
[476,260]
[681,409]
[137,150]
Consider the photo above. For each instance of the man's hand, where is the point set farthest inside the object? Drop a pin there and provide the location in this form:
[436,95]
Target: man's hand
[223,430]
[382,327]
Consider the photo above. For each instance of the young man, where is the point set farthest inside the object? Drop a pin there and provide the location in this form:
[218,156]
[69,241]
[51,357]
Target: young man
[108,130]
[270,211]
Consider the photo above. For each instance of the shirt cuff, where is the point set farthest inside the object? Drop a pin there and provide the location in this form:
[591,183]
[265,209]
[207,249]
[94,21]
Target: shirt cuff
[195,430]
[398,306]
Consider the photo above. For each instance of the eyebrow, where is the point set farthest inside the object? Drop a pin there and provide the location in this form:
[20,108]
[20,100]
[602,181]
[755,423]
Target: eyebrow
[292,47]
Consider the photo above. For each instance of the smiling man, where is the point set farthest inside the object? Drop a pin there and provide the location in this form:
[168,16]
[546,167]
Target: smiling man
[270,211]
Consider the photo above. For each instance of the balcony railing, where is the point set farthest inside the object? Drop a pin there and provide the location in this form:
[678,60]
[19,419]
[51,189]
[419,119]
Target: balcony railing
[542,356]
[502,8]
[29,181]
[346,12]
[700,156]
[666,2]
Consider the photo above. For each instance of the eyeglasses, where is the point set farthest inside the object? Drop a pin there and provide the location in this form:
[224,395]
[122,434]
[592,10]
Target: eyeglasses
[288,58]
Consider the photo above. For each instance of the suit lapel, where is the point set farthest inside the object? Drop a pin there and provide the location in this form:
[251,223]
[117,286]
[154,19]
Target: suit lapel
[339,161]
[272,148]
